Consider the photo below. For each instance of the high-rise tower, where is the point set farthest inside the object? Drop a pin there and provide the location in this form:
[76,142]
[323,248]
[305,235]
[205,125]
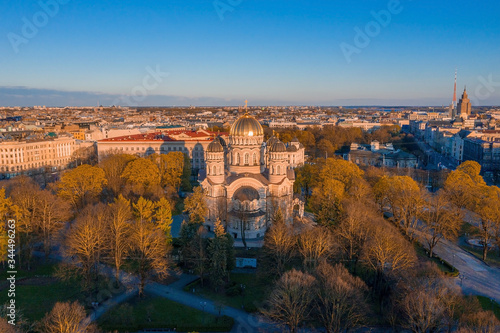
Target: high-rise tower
[464,106]
[453,110]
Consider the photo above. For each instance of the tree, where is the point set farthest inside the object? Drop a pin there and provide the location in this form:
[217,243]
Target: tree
[171,169]
[196,206]
[343,171]
[82,185]
[163,217]
[403,196]
[464,185]
[480,322]
[149,246]
[326,201]
[441,220]
[83,244]
[143,175]
[113,167]
[387,252]
[290,300]
[279,242]
[118,232]
[5,327]
[66,318]
[314,244]
[489,211]
[424,307]
[217,252]
[354,229]
[340,301]
[51,215]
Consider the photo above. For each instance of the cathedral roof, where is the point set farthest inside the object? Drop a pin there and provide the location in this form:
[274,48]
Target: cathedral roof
[215,147]
[278,147]
[246,125]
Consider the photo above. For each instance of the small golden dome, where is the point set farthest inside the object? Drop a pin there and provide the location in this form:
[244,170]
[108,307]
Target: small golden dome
[246,125]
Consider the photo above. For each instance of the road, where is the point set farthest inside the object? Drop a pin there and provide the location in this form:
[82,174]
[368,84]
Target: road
[480,279]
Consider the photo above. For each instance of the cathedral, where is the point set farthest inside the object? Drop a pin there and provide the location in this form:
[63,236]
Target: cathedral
[246,179]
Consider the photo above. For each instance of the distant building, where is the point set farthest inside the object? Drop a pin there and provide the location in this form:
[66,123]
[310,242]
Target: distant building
[464,106]
[379,155]
[35,155]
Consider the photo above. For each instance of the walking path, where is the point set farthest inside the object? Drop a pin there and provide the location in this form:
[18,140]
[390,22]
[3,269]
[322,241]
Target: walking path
[478,278]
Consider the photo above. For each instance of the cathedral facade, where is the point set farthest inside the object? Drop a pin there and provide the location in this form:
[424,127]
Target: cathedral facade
[247,180]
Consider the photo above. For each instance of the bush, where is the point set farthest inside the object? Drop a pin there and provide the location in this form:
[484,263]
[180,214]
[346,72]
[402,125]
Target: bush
[233,289]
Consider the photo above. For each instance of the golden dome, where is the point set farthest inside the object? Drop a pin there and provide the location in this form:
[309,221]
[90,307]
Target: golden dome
[246,125]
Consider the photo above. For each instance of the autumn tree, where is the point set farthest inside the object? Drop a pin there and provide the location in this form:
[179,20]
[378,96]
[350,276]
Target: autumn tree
[82,185]
[326,201]
[118,232]
[290,301]
[143,175]
[66,318]
[163,217]
[440,220]
[171,169]
[403,197]
[148,243]
[341,170]
[196,207]
[464,185]
[113,167]
[340,298]
[314,244]
[5,327]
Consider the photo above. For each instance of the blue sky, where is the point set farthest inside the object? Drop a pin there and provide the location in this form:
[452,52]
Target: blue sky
[269,52]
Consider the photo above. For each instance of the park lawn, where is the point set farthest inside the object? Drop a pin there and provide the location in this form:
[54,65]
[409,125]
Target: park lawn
[152,312]
[492,257]
[447,269]
[38,270]
[488,304]
[253,296]
[37,295]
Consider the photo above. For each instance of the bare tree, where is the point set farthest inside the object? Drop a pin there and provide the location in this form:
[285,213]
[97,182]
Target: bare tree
[290,301]
[441,218]
[279,242]
[118,231]
[482,322]
[5,327]
[66,318]
[314,244]
[340,301]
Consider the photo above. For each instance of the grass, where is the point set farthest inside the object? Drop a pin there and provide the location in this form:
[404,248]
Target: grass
[251,297]
[492,257]
[488,304]
[443,265]
[156,312]
[468,229]
[38,297]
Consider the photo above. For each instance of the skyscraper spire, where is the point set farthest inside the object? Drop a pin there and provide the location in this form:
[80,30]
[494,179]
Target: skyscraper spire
[455,91]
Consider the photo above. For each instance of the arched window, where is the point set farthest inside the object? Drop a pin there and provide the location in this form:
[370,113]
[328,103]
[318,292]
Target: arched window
[246,159]
[220,170]
[254,159]
[272,169]
[237,159]
[214,169]
[278,170]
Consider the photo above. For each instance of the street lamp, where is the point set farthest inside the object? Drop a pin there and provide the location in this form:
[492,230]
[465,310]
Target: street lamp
[242,286]
[461,277]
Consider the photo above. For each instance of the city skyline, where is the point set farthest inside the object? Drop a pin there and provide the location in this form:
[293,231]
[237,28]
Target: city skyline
[211,53]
